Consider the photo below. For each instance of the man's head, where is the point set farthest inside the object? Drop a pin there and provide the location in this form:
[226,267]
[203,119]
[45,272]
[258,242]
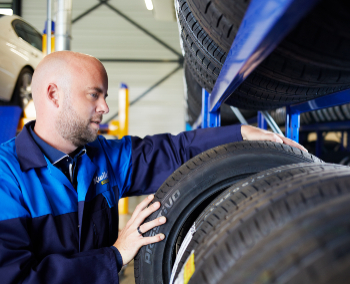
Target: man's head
[69,91]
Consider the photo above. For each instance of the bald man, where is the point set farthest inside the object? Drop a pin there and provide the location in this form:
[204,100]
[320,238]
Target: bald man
[61,182]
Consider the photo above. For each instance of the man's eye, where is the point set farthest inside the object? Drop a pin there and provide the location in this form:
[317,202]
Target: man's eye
[94,96]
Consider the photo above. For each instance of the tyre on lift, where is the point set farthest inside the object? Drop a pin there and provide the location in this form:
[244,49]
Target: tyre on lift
[191,188]
[257,208]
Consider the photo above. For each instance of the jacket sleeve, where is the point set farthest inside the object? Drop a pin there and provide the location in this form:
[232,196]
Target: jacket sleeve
[19,263]
[154,158]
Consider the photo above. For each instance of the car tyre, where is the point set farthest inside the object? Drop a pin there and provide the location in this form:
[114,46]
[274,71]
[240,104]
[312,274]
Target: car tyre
[193,186]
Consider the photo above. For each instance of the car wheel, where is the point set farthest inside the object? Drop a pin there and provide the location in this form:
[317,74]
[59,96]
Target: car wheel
[23,90]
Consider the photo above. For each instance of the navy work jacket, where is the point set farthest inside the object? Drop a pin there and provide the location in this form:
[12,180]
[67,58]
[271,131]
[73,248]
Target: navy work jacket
[52,233]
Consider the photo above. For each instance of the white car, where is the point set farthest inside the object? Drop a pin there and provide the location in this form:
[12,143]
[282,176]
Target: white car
[20,53]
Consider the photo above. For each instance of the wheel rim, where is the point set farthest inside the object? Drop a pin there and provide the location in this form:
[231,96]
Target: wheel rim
[25,91]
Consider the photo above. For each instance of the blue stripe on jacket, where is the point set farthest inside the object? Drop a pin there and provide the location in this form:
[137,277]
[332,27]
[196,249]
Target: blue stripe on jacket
[50,233]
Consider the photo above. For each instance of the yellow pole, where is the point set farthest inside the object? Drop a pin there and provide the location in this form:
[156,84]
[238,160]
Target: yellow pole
[45,43]
[123,115]
[52,39]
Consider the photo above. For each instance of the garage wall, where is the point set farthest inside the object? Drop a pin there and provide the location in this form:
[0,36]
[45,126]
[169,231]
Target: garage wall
[105,34]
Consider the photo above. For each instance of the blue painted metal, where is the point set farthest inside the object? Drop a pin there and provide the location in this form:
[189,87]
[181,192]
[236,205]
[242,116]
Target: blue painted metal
[104,127]
[214,118]
[262,123]
[209,119]
[334,99]
[292,124]
[10,116]
[188,127]
[326,126]
[52,27]
[205,110]
[293,112]
[263,27]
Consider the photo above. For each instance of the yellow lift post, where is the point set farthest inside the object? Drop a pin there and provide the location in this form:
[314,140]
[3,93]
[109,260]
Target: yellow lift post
[120,128]
[52,38]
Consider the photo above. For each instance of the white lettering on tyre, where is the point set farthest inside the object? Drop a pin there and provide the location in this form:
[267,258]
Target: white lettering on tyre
[163,212]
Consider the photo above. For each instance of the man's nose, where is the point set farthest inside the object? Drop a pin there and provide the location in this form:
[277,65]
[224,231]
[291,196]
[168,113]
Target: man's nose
[102,106]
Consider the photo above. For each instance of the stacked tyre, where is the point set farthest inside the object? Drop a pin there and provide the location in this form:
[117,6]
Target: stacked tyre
[193,93]
[186,193]
[331,114]
[286,225]
[312,61]
[259,207]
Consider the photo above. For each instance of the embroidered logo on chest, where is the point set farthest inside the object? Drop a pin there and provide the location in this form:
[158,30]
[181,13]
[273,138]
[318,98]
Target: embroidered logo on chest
[103,178]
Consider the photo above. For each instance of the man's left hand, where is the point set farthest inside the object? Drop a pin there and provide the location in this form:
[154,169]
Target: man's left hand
[253,133]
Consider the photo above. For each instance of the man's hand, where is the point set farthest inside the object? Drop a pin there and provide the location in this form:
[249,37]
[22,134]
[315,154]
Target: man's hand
[253,133]
[130,240]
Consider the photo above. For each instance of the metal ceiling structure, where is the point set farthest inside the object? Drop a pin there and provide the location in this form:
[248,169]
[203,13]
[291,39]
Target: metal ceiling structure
[130,55]
[134,60]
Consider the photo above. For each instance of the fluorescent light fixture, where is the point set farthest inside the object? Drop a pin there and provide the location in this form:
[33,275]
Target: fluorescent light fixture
[6,12]
[149,4]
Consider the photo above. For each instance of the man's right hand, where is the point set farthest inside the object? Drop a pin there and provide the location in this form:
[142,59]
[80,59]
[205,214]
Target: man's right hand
[130,240]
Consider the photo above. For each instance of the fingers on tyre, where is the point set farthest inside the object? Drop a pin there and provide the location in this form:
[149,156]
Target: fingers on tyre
[244,238]
[191,188]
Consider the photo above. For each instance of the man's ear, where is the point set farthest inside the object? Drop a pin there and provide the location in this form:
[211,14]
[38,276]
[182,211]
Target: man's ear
[53,94]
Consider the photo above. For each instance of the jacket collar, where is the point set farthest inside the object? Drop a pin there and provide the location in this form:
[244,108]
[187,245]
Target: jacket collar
[54,155]
[30,155]
[28,152]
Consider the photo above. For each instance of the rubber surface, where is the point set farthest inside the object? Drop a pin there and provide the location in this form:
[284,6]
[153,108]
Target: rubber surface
[16,97]
[315,248]
[226,204]
[194,185]
[257,208]
[307,64]
[194,102]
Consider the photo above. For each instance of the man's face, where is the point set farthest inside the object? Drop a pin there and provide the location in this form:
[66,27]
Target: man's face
[83,105]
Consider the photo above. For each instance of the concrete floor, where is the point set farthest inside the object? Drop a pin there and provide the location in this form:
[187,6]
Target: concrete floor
[126,276]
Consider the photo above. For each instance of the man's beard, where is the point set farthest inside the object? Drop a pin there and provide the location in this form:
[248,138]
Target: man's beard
[75,129]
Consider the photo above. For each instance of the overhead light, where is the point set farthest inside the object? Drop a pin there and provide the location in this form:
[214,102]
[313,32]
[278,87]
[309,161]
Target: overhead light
[149,4]
[6,12]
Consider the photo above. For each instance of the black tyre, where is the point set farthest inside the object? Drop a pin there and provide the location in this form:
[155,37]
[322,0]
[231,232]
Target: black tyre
[324,115]
[257,207]
[314,248]
[194,102]
[190,189]
[296,71]
[23,91]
